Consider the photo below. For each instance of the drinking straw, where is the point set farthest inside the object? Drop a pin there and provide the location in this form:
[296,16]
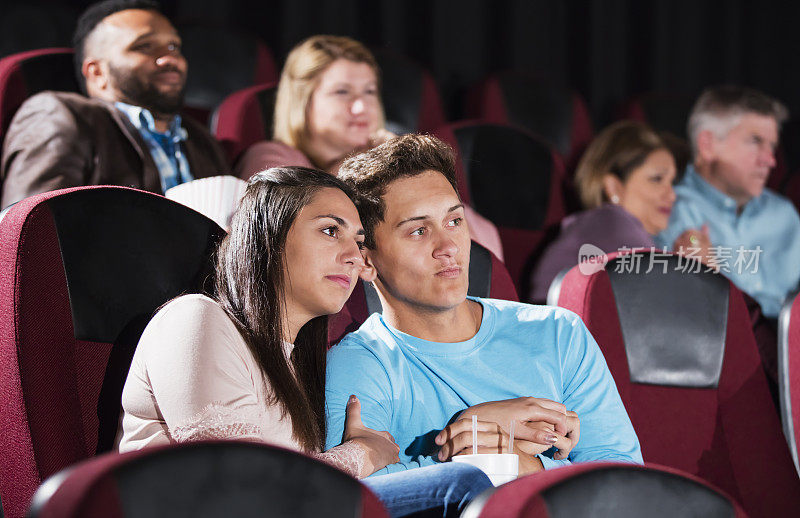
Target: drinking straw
[474,434]
[511,437]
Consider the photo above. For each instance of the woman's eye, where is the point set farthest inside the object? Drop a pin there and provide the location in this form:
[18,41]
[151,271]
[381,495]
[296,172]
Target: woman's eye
[361,245]
[331,231]
[341,91]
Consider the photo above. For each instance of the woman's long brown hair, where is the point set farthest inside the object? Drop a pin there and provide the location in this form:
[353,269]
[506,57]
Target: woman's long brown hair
[249,284]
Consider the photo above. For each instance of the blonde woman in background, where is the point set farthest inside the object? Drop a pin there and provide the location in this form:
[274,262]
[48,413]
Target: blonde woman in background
[328,106]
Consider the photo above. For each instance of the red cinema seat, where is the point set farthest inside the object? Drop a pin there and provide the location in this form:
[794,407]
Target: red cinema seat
[27,73]
[244,118]
[555,113]
[789,373]
[516,181]
[411,100]
[82,271]
[221,61]
[488,278]
[680,348]
[605,490]
[205,479]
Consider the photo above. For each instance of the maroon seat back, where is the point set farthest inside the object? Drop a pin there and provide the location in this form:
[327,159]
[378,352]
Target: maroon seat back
[204,479]
[244,118]
[556,113]
[789,374]
[27,73]
[82,271]
[488,277]
[221,61]
[680,348]
[411,100]
[515,180]
[606,490]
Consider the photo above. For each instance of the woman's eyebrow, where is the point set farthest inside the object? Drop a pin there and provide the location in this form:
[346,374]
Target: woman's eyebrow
[337,219]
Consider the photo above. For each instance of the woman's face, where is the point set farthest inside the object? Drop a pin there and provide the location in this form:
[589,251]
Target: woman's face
[322,256]
[647,193]
[344,109]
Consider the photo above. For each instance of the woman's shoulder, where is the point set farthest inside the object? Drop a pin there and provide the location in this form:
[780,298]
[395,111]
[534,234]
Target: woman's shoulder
[269,153]
[190,321]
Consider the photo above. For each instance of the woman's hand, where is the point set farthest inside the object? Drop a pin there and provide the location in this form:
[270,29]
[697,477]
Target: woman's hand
[379,137]
[379,447]
[696,244]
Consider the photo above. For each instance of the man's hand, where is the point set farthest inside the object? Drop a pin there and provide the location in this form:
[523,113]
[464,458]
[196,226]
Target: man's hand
[523,410]
[380,447]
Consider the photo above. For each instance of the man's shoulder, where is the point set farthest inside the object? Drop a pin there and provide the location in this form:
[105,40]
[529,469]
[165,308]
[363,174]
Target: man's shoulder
[526,311]
[774,201]
[73,101]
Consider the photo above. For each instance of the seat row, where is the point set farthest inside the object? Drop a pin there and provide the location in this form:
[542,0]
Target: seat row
[85,268]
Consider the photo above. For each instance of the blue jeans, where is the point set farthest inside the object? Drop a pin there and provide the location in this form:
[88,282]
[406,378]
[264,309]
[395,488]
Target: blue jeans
[438,490]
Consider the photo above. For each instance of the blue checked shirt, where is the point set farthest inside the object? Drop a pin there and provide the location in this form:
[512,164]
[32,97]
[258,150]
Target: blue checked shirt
[758,249]
[165,148]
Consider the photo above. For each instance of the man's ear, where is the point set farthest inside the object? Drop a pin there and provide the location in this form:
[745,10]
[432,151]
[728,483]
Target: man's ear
[368,273]
[95,75]
[706,151]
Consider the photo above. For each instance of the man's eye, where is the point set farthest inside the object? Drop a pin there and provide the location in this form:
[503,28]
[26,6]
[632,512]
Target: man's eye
[455,222]
[174,47]
[361,245]
[418,231]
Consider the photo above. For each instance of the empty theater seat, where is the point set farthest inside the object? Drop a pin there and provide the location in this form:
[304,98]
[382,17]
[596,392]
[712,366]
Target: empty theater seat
[789,373]
[488,277]
[27,73]
[556,113]
[680,348]
[244,118]
[411,100]
[204,479]
[82,270]
[605,490]
[221,61]
[516,181]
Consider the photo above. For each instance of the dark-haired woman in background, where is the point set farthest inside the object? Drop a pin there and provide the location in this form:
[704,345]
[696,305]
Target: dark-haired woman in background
[624,179]
[250,363]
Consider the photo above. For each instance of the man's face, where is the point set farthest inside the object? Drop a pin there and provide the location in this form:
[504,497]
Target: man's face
[141,52]
[422,246]
[740,163]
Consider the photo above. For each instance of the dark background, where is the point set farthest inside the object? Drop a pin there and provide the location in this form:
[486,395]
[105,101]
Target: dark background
[608,50]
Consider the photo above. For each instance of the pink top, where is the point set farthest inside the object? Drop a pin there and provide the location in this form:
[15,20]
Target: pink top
[266,154]
[193,377]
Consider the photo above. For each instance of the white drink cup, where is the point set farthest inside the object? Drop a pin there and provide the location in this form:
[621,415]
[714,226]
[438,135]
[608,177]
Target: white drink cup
[499,467]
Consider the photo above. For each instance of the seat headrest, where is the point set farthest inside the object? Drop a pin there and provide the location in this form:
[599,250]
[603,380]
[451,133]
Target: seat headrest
[674,323]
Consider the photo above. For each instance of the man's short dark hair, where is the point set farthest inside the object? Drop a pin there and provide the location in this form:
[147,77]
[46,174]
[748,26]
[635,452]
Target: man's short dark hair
[92,17]
[371,172]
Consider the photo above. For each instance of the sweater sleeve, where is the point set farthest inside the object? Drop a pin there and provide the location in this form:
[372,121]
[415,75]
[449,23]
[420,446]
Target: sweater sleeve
[198,372]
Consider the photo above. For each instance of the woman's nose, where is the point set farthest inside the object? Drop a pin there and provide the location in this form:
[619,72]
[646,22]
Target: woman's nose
[357,106]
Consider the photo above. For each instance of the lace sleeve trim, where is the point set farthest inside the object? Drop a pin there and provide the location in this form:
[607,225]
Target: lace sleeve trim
[216,421]
[348,457]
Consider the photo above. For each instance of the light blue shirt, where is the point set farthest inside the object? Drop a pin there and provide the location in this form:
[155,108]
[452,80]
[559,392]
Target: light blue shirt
[413,387]
[758,249]
[165,148]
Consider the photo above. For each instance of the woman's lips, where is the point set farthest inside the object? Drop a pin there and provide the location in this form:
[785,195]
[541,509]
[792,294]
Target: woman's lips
[341,280]
[449,273]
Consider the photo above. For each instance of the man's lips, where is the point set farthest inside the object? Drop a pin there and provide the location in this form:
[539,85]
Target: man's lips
[341,280]
[170,77]
[449,272]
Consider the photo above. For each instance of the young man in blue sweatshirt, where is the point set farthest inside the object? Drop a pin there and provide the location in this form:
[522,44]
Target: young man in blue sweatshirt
[435,357]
